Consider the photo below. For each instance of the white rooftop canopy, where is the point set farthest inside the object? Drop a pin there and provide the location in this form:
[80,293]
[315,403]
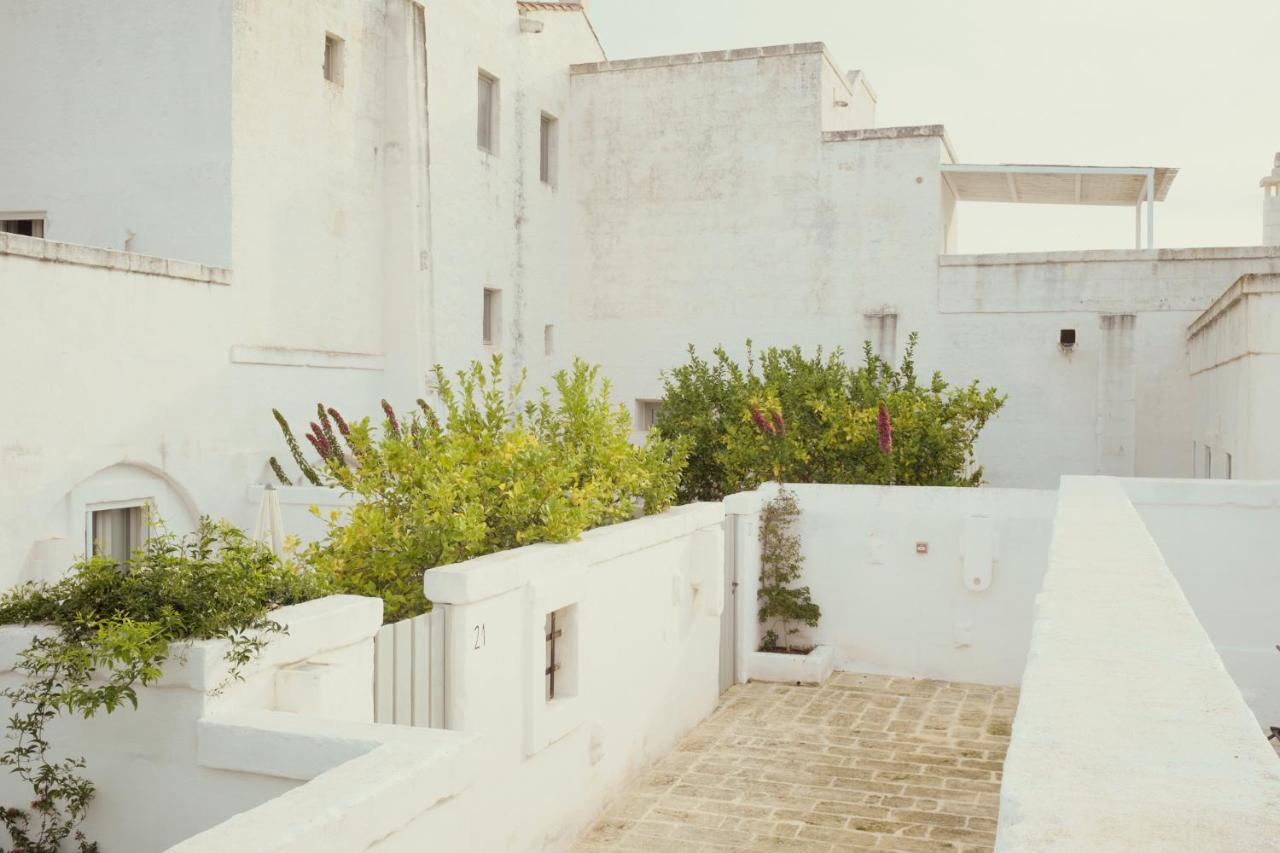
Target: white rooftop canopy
[1127,186]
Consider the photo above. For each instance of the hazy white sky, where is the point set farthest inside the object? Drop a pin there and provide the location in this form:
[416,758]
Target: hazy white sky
[1193,85]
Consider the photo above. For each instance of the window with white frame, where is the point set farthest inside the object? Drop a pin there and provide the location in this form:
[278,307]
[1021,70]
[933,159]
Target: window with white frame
[492,317]
[115,532]
[333,58]
[24,223]
[487,113]
[548,148]
[647,414]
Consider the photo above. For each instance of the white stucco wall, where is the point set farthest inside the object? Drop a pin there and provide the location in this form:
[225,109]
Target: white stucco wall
[337,295]
[1234,353]
[714,209]
[131,386]
[1130,734]
[118,123]
[1118,401]
[961,611]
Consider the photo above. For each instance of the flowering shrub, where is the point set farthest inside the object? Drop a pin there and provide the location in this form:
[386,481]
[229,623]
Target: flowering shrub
[835,423]
[484,475]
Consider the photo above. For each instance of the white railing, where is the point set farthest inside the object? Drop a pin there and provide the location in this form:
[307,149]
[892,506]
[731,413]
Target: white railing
[408,672]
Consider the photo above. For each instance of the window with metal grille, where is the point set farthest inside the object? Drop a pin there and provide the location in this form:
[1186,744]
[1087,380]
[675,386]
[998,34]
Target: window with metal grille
[487,113]
[557,677]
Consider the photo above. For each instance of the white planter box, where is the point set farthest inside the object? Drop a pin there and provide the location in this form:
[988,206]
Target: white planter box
[813,668]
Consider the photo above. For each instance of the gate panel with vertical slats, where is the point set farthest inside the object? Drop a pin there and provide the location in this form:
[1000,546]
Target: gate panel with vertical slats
[408,671]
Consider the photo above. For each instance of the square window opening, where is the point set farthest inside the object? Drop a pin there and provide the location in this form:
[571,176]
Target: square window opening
[548,148]
[492,317]
[647,414]
[487,113]
[117,532]
[1067,338]
[333,57]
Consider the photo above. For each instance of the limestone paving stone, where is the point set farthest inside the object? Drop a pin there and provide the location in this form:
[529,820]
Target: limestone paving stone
[862,762]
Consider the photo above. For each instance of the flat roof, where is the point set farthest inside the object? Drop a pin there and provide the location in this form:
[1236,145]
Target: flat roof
[1043,184]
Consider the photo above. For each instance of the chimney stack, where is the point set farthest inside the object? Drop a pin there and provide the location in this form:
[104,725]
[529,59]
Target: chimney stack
[1271,206]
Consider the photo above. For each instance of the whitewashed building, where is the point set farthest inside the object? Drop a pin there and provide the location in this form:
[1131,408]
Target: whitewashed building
[220,208]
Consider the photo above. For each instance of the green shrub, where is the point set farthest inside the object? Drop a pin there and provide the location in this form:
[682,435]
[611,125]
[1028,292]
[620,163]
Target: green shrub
[484,475]
[114,627]
[828,430]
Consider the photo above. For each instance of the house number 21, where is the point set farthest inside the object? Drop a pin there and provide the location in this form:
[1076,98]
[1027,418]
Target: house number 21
[479,631]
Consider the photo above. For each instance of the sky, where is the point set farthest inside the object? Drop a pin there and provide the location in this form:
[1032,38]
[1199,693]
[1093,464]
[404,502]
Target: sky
[1192,85]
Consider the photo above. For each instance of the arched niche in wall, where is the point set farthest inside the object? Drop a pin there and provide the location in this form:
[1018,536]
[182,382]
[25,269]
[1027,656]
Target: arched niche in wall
[123,501]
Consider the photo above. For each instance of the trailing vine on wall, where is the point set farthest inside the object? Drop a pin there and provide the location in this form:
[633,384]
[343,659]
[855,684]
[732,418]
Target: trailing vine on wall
[112,629]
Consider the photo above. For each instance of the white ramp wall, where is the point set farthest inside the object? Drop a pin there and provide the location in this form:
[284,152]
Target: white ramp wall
[1130,734]
[923,582]
[1220,539]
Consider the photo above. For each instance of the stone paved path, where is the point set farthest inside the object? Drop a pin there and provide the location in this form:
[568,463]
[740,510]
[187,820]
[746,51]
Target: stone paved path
[862,762]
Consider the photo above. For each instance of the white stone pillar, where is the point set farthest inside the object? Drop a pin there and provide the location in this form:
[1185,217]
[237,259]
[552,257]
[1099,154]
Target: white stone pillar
[1271,206]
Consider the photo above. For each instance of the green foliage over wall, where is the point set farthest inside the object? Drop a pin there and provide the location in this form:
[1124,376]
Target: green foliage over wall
[483,475]
[114,626]
[831,430]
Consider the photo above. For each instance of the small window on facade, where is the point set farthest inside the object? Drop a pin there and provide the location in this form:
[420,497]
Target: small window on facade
[561,671]
[1208,462]
[1228,466]
[492,316]
[647,414]
[548,339]
[1067,338]
[116,533]
[548,145]
[333,58]
[487,113]
[25,224]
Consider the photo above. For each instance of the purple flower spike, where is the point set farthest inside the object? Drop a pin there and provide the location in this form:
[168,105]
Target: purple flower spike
[885,429]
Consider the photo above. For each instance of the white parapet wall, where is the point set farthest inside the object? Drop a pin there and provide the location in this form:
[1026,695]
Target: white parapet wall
[201,748]
[638,619]
[915,581]
[1130,734]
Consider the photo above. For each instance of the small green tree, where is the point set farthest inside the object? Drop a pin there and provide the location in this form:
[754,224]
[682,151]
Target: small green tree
[782,606]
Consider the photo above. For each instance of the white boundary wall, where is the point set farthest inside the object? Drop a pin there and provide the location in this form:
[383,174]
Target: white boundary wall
[961,612]
[1130,735]
[642,603]
[195,759]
